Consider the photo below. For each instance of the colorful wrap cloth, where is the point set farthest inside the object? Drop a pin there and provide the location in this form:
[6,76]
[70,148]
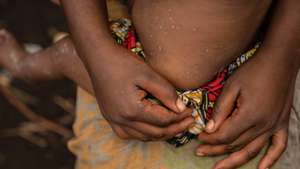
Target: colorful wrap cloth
[201,100]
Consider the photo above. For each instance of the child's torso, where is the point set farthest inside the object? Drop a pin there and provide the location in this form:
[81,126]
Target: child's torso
[189,41]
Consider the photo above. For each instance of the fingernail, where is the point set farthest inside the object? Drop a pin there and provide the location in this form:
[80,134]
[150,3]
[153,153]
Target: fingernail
[180,105]
[201,154]
[210,126]
[179,134]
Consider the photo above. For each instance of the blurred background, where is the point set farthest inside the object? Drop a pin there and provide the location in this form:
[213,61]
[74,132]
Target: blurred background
[35,119]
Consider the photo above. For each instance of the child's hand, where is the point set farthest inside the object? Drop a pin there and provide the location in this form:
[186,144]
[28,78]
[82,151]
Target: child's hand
[121,80]
[254,105]
[121,85]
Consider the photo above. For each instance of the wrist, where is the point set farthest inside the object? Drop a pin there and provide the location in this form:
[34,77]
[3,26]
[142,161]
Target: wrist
[280,55]
[100,56]
[283,33]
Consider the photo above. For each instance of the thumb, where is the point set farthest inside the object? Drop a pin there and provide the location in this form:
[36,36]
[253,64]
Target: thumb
[164,92]
[223,108]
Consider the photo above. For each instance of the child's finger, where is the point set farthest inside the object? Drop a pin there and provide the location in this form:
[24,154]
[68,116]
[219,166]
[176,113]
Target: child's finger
[246,137]
[164,92]
[231,129]
[157,133]
[158,115]
[127,133]
[279,139]
[211,150]
[241,157]
[223,108]
[279,143]
[120,132]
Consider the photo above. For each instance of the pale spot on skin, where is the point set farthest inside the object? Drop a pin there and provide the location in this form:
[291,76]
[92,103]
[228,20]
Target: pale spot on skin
[47,72]
[171,19]
[74,52]
[195,29]
[64,48]
[14,58]
[160,48]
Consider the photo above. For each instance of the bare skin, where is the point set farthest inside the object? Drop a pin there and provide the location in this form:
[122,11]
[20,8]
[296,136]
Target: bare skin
[58,61]
[201,51]
[61,60]
[267,91]
[196,38]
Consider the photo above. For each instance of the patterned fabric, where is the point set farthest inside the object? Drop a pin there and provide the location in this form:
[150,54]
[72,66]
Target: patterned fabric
[202,100]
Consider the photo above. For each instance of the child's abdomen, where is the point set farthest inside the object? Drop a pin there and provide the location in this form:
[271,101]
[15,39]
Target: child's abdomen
[188,42]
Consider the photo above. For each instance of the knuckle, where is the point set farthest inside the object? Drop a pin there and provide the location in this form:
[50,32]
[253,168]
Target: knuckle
[140,107]
[160,134]
[165,121]
[222,138]
[282,145]
[160,119]
[267,125]
[250,154]
[130,115]
[145,108]
[231,148]
[272,123]
[171,131]
[183,126]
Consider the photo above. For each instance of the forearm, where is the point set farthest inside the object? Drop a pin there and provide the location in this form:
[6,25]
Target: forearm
[64,56]
[283,34]
[89,28]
